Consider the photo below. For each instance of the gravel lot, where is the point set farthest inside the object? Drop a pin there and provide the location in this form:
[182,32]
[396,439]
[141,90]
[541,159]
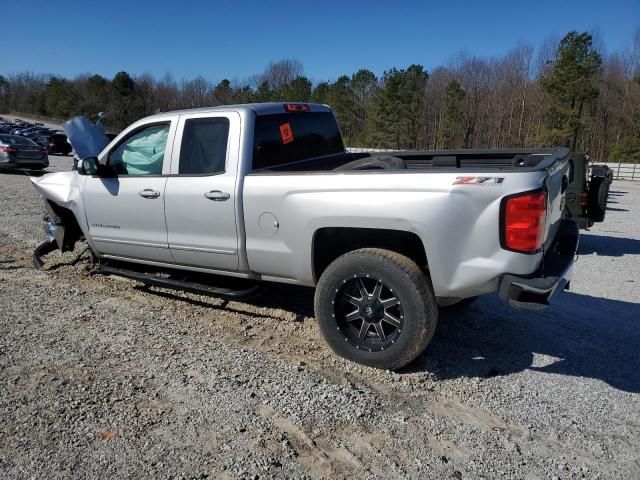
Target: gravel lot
[104,378]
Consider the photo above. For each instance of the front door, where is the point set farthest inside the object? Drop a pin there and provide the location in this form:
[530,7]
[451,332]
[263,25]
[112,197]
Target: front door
[200,196]
[125,213]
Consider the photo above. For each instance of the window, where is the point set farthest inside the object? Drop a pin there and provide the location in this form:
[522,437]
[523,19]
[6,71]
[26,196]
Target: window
[204,146]
[15,140]
[290,137]
[142,153]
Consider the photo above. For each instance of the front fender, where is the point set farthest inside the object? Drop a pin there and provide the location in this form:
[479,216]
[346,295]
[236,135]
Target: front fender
[62,193]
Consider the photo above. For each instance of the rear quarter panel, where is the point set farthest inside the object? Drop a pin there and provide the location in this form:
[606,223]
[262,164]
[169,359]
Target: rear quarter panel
[458,224]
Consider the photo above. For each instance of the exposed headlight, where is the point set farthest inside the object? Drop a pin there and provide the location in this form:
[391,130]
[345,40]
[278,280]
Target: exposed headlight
[49,227]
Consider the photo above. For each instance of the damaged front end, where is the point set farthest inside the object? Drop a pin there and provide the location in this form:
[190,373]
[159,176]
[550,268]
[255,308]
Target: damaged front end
[65,221]
[61,197]
[49,245]
[62,232]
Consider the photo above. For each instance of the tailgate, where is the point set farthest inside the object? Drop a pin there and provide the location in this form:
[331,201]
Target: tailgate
[556,185]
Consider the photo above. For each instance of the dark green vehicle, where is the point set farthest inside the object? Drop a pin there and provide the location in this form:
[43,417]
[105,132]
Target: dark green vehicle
[586,198]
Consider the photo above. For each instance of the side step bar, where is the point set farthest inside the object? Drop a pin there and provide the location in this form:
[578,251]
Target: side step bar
[154,280]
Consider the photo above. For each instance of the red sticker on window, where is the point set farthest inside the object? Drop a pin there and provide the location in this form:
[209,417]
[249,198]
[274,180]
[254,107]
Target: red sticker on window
[286,133]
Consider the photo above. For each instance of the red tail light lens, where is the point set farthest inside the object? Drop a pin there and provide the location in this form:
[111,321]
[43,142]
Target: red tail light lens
[296,107]
[8,149]
[583,199]
[524,219]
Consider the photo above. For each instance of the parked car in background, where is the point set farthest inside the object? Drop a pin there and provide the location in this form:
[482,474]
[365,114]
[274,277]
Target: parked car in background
[17,152]
[601,170]
[34,131]
[586,199]
[55,143]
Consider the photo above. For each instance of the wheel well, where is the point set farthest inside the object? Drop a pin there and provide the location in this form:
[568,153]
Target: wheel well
[69,231]
[330,243]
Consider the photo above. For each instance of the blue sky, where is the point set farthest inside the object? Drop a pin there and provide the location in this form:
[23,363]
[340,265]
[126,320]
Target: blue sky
[234,39]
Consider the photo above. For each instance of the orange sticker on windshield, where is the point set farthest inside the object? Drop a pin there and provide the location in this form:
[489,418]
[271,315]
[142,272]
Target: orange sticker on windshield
[286,133]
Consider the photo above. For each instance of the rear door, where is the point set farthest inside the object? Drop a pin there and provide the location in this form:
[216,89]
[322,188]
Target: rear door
[126,213]
[201,193]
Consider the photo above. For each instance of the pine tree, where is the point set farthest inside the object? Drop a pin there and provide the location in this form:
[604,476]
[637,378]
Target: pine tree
[570,85]
[397,108]
[451,128]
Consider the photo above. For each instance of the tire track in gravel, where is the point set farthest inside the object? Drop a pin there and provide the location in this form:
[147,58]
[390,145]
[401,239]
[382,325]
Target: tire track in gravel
[228,321]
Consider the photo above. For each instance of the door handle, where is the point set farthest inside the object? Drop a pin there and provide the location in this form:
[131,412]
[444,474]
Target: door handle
[217,195]
[148,193]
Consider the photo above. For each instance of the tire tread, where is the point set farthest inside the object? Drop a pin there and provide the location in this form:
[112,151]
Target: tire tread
[418,278]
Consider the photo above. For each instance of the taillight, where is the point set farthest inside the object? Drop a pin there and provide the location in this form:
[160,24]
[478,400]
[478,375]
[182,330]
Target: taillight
[523,221]
[583,199]
[8,149]
[296,107]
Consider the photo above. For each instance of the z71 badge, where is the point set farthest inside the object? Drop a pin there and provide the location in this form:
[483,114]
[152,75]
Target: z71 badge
[488,181]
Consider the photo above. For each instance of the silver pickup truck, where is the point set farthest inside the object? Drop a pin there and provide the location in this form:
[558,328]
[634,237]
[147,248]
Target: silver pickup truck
[268,193]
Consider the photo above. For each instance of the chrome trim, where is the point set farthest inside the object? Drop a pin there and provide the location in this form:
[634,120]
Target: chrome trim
[130,242]
[200,249]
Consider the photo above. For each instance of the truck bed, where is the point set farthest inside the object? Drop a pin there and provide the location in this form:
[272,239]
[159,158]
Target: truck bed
[525,160]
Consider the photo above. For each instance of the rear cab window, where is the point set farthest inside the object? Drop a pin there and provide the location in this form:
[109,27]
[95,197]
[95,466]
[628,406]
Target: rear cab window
[287,138]
[204,146]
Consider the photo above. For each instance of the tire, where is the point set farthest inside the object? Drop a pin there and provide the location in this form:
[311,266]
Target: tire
[598,193]
[374,163]
[400,302]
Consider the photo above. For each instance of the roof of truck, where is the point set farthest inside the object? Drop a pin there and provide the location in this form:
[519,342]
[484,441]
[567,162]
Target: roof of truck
[268,108]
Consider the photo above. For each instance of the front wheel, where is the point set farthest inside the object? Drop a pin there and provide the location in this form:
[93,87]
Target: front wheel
[376,307]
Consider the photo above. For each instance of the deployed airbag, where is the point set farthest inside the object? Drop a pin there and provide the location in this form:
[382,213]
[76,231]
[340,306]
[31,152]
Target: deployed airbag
[142,153]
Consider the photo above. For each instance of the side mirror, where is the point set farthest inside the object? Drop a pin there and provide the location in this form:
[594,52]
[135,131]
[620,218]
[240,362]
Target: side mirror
[88,166]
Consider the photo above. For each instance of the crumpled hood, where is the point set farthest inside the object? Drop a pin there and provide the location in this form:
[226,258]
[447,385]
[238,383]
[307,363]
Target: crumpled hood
[62,192]
[88,139]
[62,188]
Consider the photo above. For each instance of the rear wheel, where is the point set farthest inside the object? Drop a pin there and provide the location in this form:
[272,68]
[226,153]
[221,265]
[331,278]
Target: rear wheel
[376,307]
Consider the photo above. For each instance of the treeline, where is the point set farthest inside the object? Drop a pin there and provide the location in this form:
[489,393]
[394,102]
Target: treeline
[564,93]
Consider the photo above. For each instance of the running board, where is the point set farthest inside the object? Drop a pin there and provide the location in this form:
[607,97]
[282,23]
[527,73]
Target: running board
[154,280]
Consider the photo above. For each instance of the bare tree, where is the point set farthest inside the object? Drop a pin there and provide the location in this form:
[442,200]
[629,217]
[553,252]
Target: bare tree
[283,72]
[166,94]
[195,93]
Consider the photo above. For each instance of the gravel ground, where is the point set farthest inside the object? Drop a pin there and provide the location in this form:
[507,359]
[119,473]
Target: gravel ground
[104,378]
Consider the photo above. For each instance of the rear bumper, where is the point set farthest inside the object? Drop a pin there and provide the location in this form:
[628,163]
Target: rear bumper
[533,292]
